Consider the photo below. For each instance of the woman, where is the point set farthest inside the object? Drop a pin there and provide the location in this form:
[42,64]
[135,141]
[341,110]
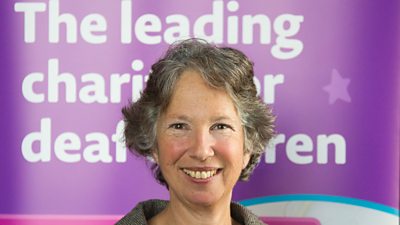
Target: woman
[201,123]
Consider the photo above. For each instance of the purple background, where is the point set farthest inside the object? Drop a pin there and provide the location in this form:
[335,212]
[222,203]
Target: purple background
[360,39]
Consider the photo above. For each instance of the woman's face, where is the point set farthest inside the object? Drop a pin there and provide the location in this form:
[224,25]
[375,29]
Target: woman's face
[200,143]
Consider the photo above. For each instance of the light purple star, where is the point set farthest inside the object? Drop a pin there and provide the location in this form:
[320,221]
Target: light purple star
[337,89]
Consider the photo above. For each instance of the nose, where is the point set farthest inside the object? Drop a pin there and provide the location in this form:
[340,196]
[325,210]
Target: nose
[202,145]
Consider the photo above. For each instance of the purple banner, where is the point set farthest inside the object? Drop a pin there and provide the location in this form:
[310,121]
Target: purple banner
[330,71]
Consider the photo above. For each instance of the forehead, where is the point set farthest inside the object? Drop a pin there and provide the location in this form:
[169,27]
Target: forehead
[192,92]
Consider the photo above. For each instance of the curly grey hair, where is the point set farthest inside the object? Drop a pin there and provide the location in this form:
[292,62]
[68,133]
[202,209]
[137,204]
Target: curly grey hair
[221,67]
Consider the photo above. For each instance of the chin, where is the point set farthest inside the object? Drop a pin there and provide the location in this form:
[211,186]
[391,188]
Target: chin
[203,202]
[205,199]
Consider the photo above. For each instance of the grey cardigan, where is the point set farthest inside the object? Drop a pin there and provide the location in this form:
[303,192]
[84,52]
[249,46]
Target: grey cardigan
[147,209]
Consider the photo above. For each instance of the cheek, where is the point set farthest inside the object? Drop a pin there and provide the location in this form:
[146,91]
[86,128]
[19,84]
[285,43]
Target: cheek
[231,150]
[171,149]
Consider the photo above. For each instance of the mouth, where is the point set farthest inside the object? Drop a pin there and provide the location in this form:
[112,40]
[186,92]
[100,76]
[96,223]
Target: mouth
[201,174]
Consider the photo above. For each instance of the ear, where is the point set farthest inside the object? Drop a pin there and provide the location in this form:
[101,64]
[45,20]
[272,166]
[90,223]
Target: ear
[246,159]
[154,153]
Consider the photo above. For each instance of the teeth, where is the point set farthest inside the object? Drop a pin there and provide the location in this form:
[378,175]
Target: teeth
[200,174]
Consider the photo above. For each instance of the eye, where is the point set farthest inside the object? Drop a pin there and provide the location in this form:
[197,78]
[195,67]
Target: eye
[178,129]
[178,126]
[221,126]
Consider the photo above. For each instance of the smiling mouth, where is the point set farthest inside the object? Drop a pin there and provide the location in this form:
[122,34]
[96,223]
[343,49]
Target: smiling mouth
[200,174]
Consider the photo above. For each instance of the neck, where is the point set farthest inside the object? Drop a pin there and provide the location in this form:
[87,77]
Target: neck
[182,213]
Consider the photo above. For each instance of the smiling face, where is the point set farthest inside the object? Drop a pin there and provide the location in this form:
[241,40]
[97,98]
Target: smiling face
[200,143]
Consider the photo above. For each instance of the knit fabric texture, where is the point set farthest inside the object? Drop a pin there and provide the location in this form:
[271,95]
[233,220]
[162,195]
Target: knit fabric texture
[144,211]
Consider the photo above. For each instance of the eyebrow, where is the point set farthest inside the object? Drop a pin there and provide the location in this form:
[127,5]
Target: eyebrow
[186,118]
[179,117]
[219,118]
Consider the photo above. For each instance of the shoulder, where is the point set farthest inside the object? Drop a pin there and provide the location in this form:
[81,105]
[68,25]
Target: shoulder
[143,212]
[243,215]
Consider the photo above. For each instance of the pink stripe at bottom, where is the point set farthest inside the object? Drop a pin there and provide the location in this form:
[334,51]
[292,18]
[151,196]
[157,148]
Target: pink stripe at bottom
[16,219]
